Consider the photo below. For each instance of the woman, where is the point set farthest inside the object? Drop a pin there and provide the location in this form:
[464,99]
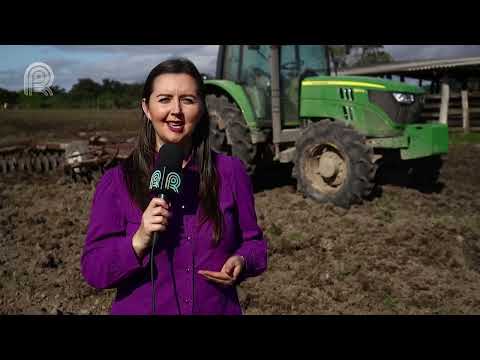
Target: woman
[209,237]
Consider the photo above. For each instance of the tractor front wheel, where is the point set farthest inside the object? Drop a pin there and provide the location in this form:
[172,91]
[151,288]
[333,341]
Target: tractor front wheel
[333,164]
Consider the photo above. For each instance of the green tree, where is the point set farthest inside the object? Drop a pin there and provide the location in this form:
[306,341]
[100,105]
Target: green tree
[84,93]
[338,56]
[343,56]
[372,54]
[9,97]
[33,101]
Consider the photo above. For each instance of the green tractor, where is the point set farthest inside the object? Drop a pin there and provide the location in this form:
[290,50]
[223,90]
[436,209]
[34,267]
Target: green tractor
[278,103]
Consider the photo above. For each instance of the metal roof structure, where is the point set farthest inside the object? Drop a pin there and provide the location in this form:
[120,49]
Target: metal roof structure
[422,69]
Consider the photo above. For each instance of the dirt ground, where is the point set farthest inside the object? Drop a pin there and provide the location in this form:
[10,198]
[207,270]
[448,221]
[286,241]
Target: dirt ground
[400,253]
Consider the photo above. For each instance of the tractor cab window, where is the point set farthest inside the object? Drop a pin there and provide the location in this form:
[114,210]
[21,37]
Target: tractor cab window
[297,62]
[290,67]
[314,59]
[232,62]
[255,76]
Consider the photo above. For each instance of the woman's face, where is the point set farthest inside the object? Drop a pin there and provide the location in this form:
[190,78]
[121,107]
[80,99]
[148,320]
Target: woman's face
[174,108]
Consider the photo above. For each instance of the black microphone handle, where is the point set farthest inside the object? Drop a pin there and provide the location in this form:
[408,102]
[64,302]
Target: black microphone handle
[155,234]
[152,260]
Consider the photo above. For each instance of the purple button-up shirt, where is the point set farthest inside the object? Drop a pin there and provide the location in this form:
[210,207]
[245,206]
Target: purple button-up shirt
[109,261]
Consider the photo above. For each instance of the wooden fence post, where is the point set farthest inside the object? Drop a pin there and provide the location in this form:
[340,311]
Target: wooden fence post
[465,111]
[444,105]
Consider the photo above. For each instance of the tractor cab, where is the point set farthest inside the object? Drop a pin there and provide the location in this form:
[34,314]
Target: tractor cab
[250,67]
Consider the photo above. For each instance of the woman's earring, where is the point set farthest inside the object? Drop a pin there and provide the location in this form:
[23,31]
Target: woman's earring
[146,115]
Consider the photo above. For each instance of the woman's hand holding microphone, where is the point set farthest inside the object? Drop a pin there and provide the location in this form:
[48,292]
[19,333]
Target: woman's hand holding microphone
[154,218]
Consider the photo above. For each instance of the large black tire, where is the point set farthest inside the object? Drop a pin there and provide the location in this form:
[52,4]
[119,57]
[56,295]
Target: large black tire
[227,123]
[333,164]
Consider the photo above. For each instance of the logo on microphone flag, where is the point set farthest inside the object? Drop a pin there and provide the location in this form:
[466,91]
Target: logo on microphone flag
[171,182]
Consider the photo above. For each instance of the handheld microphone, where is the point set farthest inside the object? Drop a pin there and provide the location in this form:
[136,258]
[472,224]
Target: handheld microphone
[165,183]
[166,179]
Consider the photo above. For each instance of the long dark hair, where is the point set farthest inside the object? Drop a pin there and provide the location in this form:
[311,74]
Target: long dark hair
[138,166]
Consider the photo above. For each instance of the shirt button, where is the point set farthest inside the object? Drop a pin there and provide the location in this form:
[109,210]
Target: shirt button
[187,269]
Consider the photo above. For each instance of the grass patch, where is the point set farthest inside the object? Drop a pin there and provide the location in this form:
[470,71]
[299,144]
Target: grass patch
[390,302]
[456,138]
[276,230]
[295,237]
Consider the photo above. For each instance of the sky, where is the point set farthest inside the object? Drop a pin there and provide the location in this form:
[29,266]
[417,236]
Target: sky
[131,63]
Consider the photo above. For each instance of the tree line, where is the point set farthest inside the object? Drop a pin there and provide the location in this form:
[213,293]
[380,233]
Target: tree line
[347,56]
[85,94]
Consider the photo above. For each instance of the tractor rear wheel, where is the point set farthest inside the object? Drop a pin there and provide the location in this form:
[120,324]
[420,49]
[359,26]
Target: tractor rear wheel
[333,164]
[229,131]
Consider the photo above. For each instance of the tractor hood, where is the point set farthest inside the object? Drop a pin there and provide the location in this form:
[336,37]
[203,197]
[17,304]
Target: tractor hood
[361,82]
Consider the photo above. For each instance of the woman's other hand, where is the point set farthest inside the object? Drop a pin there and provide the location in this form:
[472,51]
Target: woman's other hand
[229,273]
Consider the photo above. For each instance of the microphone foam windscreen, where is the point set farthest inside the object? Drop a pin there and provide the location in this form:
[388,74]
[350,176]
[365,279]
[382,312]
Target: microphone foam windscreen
[170,156]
